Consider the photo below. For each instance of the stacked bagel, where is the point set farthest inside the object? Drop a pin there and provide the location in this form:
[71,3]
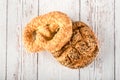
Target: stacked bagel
[73,44]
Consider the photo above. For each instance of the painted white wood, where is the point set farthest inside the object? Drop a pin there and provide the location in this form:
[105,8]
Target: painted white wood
[14,40]
[21,65]
[99,14]
[117,38]
[29,60]
[48,67]
[2,39]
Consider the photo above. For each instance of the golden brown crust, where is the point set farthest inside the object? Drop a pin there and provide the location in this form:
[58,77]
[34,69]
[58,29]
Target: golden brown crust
[53,30]
[30,40]
[80,50]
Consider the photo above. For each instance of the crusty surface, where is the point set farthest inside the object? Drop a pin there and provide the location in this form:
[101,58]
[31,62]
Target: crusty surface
[55,30]
[52,32]
[82,48]
[29,38]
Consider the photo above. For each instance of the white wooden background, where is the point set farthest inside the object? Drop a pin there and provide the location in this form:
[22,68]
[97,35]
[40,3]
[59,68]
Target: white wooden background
[17,64]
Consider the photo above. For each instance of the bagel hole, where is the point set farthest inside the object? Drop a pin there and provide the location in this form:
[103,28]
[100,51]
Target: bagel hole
[47,24]
[34,35]
[52,29]
[52,35]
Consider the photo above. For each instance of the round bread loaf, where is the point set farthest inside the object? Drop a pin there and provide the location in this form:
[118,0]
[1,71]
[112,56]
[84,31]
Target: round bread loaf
[81,50]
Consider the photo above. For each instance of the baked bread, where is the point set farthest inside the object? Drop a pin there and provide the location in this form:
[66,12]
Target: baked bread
[55,30]
[50,32]
[81,50]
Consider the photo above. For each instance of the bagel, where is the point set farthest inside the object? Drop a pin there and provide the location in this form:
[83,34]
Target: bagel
[50,32]
[81,50]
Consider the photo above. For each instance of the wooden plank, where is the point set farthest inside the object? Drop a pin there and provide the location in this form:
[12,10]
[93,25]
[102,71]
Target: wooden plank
[29,61]
[14,40]
[2,39]
[48,67]
[117,39]
[100,15]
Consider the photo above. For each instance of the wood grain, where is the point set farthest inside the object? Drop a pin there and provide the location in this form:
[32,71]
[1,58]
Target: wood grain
[99,15]
[48,67]
[29,60]
[117,39]
[13,41]
[18,64]
[3,39]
